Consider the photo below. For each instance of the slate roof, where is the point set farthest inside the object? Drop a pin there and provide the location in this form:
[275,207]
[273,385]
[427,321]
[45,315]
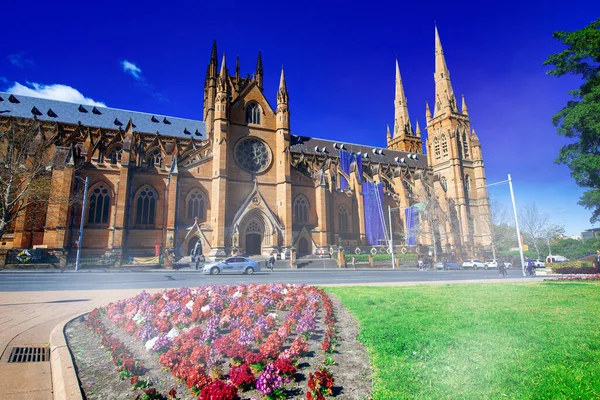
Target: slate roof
[307,145]
[100,117]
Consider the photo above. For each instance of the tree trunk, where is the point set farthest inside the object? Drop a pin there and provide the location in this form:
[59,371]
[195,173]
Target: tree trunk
[3,226]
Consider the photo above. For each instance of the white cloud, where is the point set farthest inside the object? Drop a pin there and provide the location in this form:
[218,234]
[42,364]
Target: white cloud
[19,60]
[131,68]
[53,92]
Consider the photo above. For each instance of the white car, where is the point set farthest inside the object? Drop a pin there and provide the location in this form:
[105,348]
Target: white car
[494,264]
[232,265]
[473,264]
[538,263]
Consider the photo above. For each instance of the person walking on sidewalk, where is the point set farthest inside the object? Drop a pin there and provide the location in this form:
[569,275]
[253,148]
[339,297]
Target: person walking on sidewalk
[271,262]
[197,260]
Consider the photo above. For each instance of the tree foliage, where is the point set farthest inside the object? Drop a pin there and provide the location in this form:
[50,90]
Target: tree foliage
[580,118]
[26,163]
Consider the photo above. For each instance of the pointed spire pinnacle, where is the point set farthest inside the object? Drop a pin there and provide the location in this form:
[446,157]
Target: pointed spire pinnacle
[282,80]
[237,67]
[427,112]
[282,93]
[464,108]
[474,135]
[213,54]
[402,120]
[259,66]
[223,73]
[445,99]
[418,132]
[389,134]
[259,70]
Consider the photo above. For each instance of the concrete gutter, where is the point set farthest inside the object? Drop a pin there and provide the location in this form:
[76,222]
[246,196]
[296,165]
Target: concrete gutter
[65,384]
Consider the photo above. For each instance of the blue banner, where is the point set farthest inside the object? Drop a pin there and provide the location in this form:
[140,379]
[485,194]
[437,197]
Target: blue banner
[373,200]
[412,225]
[345,160]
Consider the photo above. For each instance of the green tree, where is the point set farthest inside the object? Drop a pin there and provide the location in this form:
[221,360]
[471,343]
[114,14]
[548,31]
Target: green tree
[580,118]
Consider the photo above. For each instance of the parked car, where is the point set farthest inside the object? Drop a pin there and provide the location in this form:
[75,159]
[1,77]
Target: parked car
[447,264]
[494,263]
[473,264]
[538,263]
[556,258]
[232,265]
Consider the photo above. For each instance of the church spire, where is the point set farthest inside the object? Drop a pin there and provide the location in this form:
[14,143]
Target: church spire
[237,68]
[444,95]
[283,111]
[418,131]
[464,108]
[259,71]
[427,113]
[402,120]
[389,135]
[222,81]
[282,93]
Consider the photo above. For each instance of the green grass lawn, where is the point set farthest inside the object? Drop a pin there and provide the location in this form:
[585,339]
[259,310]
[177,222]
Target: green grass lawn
[481,341]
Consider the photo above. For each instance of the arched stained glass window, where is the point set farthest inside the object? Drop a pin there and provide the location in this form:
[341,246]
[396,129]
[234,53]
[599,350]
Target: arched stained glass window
[99,208]
[253,114]
[301,210]
[146,207]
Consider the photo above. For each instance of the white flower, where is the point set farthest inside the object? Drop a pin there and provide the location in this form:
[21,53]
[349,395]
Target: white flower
[164,296]
[274,315]
[138,319]
[205,308]
[173,333]
[189,305]
[150,343]
[284,292]
[236,294]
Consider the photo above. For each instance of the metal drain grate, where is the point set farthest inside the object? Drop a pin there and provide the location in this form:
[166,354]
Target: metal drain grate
[29,354]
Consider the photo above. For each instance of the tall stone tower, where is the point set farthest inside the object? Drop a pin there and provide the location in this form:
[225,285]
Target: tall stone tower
[405,138]
[284,180]
[454,153]
[220,140]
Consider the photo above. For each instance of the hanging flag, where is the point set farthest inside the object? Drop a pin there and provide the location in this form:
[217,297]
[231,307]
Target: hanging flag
[412,224]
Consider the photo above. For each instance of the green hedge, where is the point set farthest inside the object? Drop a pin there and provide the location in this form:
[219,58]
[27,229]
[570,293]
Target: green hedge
[573,267]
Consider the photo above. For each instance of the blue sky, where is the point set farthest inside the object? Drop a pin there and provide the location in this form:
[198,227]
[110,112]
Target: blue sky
[339,61]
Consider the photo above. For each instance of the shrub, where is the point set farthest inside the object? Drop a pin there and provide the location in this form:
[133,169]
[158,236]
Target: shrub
[573,267]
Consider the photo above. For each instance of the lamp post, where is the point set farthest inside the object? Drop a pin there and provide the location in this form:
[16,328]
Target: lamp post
[80,240]
[512,196]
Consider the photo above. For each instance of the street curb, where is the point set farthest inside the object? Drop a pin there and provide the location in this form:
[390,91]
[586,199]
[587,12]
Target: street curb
[65,385]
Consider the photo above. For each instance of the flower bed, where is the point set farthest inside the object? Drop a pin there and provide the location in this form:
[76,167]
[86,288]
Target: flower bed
[251,341]
[595,277]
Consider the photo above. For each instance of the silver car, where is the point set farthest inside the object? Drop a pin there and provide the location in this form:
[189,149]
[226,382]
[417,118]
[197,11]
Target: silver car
[232,265]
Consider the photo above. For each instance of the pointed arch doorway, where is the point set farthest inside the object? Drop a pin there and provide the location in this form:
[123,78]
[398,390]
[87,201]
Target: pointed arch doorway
[303,247]
[253,244]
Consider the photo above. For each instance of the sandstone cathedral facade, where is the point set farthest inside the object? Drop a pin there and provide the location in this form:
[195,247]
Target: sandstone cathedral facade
[241,180]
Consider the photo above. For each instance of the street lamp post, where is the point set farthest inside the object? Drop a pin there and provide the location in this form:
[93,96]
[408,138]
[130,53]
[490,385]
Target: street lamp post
[80,240]
[512,196]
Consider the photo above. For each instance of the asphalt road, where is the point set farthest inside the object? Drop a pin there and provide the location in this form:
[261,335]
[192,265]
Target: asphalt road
[83,280]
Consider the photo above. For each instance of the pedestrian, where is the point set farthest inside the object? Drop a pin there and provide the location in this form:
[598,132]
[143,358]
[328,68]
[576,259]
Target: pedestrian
[530,267]
[271,262]
[197,260]
[597,261]
[501,268]
[354,262]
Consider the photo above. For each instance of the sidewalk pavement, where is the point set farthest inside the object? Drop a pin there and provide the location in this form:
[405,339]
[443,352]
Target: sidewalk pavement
[28,319]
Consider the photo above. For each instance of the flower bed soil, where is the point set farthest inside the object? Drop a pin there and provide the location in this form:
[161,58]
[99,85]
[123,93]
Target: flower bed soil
[99,378]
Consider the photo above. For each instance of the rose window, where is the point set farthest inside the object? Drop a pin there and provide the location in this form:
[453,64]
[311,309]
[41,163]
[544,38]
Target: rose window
[253,155]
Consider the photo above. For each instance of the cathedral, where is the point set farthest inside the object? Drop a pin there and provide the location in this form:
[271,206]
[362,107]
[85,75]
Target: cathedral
[241,181]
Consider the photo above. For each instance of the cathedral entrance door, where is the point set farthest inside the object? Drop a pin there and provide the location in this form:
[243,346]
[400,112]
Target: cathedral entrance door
[253,244]
[303,247]
[192,244]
